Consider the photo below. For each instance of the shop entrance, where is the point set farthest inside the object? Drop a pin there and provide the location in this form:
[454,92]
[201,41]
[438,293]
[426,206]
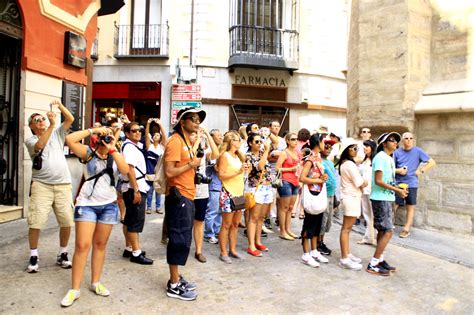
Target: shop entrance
[10,59]
[145,109]
[261,115]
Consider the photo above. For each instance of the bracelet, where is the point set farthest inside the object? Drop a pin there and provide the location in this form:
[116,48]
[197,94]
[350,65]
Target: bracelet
[90,131]
[112,151]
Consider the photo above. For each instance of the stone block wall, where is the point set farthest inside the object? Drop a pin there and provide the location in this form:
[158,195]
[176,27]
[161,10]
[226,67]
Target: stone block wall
[446,192]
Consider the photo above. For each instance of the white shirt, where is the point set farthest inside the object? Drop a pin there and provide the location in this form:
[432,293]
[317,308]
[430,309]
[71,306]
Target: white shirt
[133,156]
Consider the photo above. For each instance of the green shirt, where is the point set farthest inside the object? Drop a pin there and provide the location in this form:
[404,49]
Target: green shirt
[384,163]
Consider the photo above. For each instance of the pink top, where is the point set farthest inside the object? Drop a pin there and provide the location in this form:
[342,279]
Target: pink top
[351,180]
[290,176]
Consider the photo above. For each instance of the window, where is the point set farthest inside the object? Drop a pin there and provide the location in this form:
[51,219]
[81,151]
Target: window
[146,21]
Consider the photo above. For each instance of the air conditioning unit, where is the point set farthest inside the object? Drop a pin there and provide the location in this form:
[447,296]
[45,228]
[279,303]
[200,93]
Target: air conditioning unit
[187,73]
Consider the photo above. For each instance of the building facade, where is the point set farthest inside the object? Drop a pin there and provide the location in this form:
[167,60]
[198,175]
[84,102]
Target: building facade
[266,60]
[411,69]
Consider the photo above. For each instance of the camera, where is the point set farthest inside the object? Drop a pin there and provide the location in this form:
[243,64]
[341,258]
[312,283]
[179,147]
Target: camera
[107,139]
[199,152]
[38,161]
[201,179]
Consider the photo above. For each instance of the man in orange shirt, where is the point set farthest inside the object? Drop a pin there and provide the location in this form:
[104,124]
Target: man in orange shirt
[180,169]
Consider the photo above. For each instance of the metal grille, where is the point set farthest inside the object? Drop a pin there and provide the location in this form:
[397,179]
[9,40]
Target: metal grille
[149,40]
[10,50]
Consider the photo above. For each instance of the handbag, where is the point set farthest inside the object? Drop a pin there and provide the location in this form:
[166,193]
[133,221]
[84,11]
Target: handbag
[38,161]
[315,204]
[237,203]
[250,197]
[276,182]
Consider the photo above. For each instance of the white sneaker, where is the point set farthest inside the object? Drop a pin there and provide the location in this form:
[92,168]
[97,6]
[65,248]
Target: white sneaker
[349,264]
[70,297]
[33,266]
[354,258]
[318,257]
[308,260]
[99,289]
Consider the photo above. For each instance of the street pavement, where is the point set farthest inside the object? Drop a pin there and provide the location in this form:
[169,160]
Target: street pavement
[275,283]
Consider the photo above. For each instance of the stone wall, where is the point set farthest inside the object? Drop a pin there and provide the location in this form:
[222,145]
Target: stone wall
[446,192]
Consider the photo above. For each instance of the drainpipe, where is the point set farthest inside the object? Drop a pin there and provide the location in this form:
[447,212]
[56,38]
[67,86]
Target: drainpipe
[191,38]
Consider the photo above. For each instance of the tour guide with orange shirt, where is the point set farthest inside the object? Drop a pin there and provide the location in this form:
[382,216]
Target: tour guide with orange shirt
[180,169]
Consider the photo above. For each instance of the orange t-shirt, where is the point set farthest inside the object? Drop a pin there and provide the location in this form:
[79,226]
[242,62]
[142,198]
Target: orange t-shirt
[177,151]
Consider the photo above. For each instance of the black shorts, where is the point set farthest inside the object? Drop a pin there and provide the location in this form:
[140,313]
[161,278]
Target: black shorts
[311,225]
[179,220]
[201,206]
[135,213]
[409,200]
[383,215]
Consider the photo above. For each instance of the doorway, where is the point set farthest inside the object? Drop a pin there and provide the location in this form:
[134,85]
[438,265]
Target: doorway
[145,109]
[260,115]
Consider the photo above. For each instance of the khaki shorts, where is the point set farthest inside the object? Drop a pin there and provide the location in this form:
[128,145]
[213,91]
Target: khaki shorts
[45,197]
[351,206]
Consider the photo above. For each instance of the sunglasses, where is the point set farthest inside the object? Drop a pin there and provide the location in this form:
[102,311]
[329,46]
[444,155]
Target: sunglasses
[365,131]
[293,139]
[392,140]
[39,119]
[135,130]
[355,148]
[194,119]
[257,141]
[235,140]
[407,138]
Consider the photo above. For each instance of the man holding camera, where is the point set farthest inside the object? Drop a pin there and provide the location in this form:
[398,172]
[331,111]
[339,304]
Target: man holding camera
[134,193]
[180,169]
[50,182]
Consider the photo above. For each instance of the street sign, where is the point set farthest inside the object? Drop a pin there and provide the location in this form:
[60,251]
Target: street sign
[186,104]
[193,96]
[182,88]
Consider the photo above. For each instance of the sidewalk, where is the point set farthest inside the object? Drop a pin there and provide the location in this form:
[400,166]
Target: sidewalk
[275,283]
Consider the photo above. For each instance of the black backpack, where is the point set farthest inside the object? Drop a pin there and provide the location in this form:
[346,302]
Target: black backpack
[109,170]
[151,160]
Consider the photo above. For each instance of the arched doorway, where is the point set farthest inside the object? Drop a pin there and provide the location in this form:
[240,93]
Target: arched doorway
[11,34]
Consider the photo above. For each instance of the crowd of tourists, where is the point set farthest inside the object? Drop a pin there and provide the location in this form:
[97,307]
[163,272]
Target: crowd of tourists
[216,183]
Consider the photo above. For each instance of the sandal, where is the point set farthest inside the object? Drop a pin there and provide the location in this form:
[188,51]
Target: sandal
[286,237]
[404,233]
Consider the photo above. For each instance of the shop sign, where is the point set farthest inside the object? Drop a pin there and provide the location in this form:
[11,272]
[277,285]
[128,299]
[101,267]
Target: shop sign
[260,81]
[193,96]
[72,96]
[74,50]
[182,88]
[186,104]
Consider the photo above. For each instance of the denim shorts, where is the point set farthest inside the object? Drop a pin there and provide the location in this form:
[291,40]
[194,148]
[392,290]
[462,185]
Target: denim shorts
[383,215]
[263,195]
[106,214]
[287,189]
[409,200]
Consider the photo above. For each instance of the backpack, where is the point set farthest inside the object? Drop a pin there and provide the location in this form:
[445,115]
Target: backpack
[160,181]
[151,160]
[109,170]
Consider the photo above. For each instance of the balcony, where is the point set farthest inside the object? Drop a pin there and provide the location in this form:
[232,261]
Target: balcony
[263,47]
[141,41]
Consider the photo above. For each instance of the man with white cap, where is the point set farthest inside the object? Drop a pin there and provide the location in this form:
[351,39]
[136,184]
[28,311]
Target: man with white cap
[180,163]
[382,197]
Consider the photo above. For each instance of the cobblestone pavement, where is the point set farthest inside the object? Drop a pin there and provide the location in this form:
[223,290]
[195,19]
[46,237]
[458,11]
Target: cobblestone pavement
[275,283]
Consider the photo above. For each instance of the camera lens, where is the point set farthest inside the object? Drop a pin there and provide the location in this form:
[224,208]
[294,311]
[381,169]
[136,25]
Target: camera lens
[107,139]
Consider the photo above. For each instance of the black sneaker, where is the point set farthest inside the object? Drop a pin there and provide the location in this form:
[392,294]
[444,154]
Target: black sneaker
[180,292]
[141,259]
[245,232]
[264,234]
[33,266]
[277,222]
[384,264]
[323,249]
[267,223]
[128,253]
[63,261]
[378,270]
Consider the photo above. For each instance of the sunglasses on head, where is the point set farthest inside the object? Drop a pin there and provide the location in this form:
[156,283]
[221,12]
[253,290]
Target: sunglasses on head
[39,119]
[135,130]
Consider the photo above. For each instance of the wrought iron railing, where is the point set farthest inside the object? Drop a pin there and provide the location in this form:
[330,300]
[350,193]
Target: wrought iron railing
[264,43]
[149,40]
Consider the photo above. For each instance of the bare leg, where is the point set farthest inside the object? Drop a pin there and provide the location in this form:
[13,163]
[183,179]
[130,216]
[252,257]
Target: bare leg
[134,240]
[101,237]
[198,233]
[252,223]
[282,214]
[224,233]
[234,228]
[382,240]
[410,217]
[288,215]
[33,237]
[84,235]
[258,231]
[64,233]
[347,223]
[174,273]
